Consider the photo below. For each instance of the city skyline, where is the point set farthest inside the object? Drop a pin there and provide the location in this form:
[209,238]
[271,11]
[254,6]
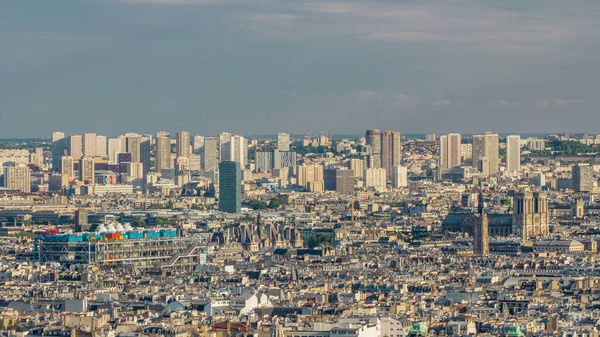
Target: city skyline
[260,66]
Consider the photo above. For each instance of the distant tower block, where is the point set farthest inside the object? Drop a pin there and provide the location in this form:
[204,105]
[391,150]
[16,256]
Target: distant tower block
[530,215]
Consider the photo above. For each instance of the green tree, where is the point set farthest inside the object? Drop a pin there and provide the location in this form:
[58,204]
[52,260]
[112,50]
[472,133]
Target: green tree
[139,223]
[277,202]
[319,239]
[256,204]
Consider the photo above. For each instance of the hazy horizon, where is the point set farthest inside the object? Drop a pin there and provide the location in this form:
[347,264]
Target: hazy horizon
[262,66]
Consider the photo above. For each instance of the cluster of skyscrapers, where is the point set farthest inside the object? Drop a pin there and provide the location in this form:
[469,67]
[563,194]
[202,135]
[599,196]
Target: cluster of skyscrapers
[483,153]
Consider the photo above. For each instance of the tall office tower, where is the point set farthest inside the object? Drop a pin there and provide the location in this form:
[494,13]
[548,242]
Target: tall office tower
[230,187]
[311,177]
[373,138]
[75,146]
[450,151]
[57,135]
[284,159]
[376,178]
[67,167]
[18,177]
[431,137]
[338,179]
[513,153]
[224,148]
[210,155]
[583,178]
[467,151]
[358,167]
[89,144]
[145,153]
[263,161]
[238,150]
[485,153]
[59,147]
[163,152]
[283,141]
[530,215]
[114,148]
[182,148]
[477,150]
[390,151]
[123,140]
[133,147]
[86,170]
[399,177]
[101,149]
[198,144]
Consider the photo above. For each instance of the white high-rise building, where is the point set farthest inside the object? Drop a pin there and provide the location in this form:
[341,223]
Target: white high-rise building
[76,146]
[238,150]
[513,153]
[224,148]
[56,136]
[485,153]
[467,151]
[163,152]
[391,154]
[89,145]
[114,148]
[59,147]
[399,177]
[198,144]
[283,142]
[18,177]
[101,150]
[183,145]
[210,155]
[450,151]
[376,178]
[67,169]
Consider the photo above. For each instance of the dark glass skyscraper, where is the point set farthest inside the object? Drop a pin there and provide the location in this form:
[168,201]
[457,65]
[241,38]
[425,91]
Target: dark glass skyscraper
[230,187]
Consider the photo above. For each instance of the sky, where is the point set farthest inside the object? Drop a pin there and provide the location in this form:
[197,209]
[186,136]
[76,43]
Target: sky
[266,66]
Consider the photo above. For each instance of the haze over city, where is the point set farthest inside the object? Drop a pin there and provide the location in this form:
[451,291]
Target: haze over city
[287,168]
[258,67]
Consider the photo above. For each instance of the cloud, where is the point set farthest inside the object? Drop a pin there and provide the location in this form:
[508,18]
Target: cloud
[484,27]
[173,2]
[568,101]
[544,102]
[404,101]
[442,103]
[504,104]
[367,95]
